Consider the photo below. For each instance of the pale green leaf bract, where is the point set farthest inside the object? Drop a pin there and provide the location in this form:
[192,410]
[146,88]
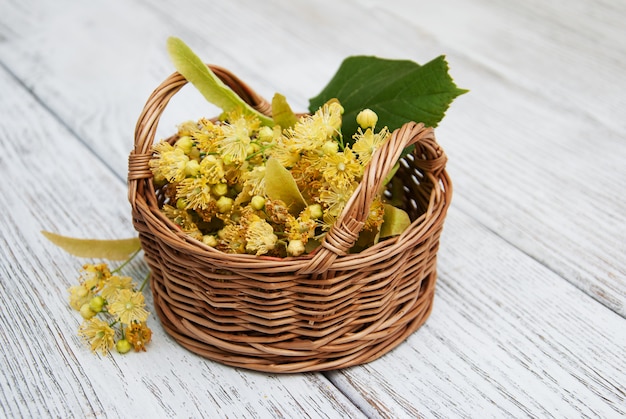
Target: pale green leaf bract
[399,91]
[208,84]
[282,113]
[280,185]
[120,249]
[395,221]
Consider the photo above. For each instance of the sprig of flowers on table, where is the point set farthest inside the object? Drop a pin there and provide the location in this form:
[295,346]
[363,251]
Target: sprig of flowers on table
[268,186]
[113,309]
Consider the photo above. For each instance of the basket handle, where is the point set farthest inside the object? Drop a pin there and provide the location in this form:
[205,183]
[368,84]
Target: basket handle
[145,130]
[345,231]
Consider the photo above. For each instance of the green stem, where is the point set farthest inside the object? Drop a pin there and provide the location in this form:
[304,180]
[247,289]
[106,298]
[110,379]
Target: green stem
[145,282]
[262,150]
[340,142]
[126,262]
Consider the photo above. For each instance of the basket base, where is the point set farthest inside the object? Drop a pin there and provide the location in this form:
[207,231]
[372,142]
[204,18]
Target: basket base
[308,355]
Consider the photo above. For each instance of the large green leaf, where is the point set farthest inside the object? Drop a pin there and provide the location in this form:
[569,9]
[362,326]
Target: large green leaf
[212,88]
[399,91]
[91,248]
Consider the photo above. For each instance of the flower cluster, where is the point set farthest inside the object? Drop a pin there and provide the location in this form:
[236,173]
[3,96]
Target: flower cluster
[221,189]
[113,310]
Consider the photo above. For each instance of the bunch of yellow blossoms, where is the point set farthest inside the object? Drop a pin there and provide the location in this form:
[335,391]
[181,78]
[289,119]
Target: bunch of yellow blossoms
[218,186]
[112,307]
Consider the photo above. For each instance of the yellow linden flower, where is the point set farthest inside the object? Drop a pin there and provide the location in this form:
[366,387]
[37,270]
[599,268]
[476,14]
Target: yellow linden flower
[376,214]
[307,135]
[180,217]
[237,135]
[212,169]
[196,192]
[301,228]
[170,162]
[340,169]
[139,335]
[128,306]
[232,239]
[206,134]
[306,171]
[311,132]
[286,151]
[260,238]
[93,277]
[335,197]
[98,334]
[255,181]
[328,118]
[187,128]
[366,143]
[115,284]
[276,211]
[79,295]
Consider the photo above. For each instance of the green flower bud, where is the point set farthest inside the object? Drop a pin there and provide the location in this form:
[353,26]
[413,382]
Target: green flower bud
[86,312]
[266,134]
[367,118]
[224,204]
[123,346]
[219,189]
[192,168]
[315,211]
[181,203]
[96,304]
[194,154]
[330,148]
[185,143]
[257,202]
[209,240]
[295,248]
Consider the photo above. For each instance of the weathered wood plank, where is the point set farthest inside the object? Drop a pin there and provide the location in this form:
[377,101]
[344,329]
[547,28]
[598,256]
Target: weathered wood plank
[534,169]
[507,338]
[536,149]
[52,181]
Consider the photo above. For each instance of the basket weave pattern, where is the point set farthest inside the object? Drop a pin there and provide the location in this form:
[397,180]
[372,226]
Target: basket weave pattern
[331,309]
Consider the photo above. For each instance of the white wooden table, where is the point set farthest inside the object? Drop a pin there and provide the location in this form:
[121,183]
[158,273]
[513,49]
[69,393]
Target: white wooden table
[531,297]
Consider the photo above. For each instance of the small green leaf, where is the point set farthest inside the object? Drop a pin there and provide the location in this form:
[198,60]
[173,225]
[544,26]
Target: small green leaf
[391,174]
[282,113]
[395,221]
[367,238]
[212,88]
[398,91]
[280,185]
[92,248]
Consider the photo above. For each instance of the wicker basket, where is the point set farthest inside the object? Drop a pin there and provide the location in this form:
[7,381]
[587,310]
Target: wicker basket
[327,310]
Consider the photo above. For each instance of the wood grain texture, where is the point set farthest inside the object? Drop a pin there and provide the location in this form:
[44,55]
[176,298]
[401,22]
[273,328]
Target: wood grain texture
[546,108]
[52,181]
[529,311]
[501,342]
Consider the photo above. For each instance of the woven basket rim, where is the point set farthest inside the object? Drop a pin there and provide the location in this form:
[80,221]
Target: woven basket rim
[144,139]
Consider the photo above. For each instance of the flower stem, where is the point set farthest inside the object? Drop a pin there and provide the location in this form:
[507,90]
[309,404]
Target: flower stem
[145,282]
[126,262]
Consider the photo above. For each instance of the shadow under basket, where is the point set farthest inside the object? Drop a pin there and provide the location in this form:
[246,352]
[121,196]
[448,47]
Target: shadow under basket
[326,310]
